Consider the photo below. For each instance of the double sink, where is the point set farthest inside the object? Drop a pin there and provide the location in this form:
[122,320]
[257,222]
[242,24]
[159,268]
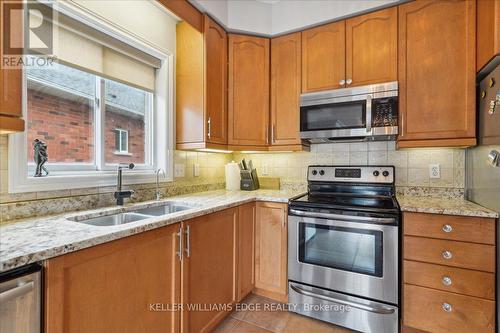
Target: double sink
[135,215]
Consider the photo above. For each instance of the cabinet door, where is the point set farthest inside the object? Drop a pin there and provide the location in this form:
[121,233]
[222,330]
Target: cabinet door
[488,31]
[215,82]
[209,269]
[371,48]
[246,249]
[271,250]
[114,287]
[10,92]
[323,57]
[285,89]
[248,90]
[437,73]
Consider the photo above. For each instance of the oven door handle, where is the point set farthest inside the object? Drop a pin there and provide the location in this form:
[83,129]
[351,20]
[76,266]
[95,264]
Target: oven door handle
[382,220]
[378,309]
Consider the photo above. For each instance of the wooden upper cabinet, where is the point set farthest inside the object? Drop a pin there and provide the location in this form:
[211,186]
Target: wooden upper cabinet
[215,81]
[209,269]
[437,47]
[488,31]
[248,98]
[109,287]
[371,48]
[323,57]
[285,89]
[190,108]
[201,85]
[271,279]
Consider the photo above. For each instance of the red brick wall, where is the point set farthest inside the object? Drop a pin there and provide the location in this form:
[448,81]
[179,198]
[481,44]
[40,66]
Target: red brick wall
[67,128]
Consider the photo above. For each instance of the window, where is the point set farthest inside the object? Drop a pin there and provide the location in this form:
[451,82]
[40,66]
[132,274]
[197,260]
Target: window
[107,100]
[70,109]
[121,141]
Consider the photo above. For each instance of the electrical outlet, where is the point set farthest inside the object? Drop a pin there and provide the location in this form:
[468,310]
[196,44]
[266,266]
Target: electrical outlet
[265,169]
[179,170]
[434,171]
[196,170]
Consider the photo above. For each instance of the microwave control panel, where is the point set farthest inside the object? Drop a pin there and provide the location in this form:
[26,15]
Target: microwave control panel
[385,112]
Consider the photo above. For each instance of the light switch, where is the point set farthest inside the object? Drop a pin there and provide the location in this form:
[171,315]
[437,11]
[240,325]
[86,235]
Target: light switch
[265,169]
[196,170]
[434,171]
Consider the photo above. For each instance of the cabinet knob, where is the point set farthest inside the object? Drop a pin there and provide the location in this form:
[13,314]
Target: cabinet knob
[446,280]
[342,82]
[447,307]
[349,81]
[447,228]
[447,254]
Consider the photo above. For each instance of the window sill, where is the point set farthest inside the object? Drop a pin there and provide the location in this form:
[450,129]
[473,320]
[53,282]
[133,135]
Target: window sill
[84,179]
[122,154]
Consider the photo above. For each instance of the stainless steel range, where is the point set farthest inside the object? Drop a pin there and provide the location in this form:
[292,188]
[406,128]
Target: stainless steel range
[343,248]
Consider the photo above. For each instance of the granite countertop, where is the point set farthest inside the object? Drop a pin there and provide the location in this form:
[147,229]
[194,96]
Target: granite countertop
[32,240]
[445,206]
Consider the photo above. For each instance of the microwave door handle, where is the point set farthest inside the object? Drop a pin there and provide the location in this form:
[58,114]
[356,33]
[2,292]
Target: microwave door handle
[368,113]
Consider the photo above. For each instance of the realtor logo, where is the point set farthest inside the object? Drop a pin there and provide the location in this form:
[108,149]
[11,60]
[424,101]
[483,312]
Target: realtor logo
[27,29]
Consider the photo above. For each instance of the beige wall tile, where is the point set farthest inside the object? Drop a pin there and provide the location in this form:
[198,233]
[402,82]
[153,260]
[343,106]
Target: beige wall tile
[358,146]
[377,145]
[377,157]
[398,158]
[418,158]
[418,177]
[340,158]
[358,158]
[446,179]
[401,176]
[443,157]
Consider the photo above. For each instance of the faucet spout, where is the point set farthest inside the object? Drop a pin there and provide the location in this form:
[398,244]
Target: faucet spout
[120,194]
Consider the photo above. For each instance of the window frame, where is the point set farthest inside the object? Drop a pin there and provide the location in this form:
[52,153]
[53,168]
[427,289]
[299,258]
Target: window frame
[161,142]
[120,133]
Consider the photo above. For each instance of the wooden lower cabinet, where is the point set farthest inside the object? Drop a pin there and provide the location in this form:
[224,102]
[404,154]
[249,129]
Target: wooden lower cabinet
[271,251]
[209,269]
[437,311]
[448,273]
[246,250]
[111,287]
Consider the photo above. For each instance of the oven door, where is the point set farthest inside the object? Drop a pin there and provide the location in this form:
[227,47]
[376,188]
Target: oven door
[354,257]
[340,117]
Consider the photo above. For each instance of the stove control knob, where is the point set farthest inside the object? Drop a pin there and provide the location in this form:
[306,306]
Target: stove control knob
[314,172]
[321,172]
[376,173]
[385,173]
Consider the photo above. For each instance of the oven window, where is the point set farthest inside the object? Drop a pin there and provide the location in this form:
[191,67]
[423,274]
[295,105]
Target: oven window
[348,249]
[333,116]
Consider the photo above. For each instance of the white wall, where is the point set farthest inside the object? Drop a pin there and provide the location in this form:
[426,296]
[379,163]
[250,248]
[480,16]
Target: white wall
[278,17]
[293,15]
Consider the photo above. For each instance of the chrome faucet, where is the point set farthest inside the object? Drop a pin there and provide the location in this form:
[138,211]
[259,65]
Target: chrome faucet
[119,194]
[158,193]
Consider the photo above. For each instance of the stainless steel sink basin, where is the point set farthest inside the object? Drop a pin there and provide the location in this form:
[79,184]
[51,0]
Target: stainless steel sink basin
[168,208]
[115,219]
[136,215]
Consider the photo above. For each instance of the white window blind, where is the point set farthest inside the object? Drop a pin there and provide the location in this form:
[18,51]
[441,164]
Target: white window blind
[82,46]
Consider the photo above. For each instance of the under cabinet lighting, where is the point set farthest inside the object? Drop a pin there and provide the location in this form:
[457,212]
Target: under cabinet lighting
[208,150]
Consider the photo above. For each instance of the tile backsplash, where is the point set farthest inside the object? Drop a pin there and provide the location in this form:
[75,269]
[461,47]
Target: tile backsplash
[412,165]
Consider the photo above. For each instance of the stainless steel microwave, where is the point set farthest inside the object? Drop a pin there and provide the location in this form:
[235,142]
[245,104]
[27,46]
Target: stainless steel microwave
[362,113]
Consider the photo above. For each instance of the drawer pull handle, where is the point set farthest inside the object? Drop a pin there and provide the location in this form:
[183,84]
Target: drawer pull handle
[447,254]
[447,228]
[446,280]
[447,307]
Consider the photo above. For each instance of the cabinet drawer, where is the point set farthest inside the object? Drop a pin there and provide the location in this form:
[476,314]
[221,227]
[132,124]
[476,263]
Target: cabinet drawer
[459,228]
[458,254]
[457,280]
[438,311]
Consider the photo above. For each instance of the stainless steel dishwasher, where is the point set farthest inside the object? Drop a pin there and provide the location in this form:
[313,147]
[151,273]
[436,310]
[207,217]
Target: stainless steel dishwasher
[21,300]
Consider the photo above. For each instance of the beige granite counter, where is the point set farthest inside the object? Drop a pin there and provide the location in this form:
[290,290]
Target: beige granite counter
[445,206]
[27,241]
[32,240]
